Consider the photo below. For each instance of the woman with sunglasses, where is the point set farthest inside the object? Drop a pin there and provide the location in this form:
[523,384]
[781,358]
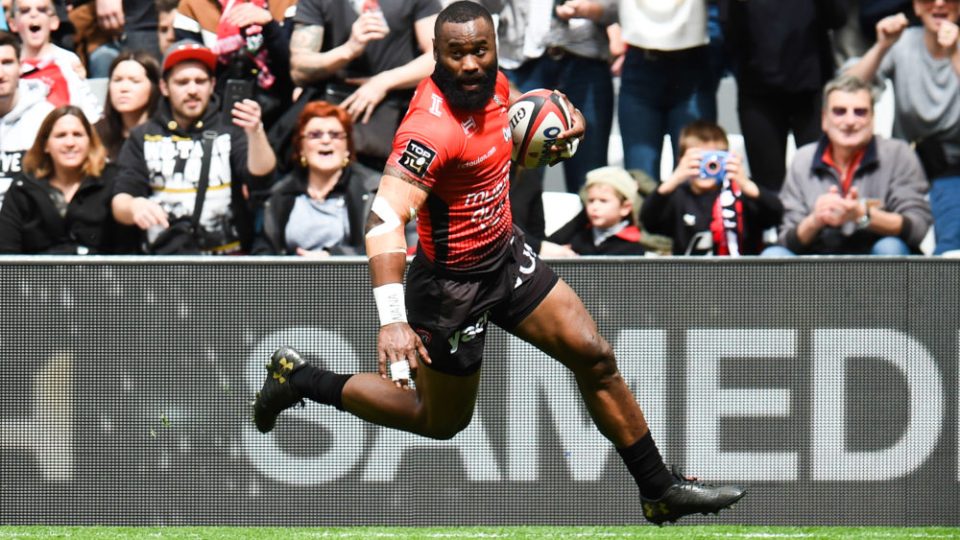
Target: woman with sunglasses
[320,208]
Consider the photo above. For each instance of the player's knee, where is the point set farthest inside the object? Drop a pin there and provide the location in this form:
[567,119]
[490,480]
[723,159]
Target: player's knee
[598,361]
[446,428]
[445,431]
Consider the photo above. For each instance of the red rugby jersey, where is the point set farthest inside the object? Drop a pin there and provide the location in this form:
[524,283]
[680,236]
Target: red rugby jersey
[463,159]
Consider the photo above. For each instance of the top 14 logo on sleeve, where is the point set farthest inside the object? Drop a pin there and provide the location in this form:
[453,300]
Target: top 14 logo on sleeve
[417,158]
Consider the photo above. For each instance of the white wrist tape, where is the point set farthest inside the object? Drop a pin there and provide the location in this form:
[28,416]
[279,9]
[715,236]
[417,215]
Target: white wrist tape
[390,305]
[400,371]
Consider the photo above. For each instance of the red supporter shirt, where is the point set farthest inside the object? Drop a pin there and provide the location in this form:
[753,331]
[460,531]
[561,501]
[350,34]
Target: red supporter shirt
[463,159]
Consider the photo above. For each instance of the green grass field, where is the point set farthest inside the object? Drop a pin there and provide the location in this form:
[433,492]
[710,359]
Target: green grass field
[657,533]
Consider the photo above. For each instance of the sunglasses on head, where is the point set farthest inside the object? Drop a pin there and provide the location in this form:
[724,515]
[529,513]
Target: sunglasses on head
[319,134]
[859,112]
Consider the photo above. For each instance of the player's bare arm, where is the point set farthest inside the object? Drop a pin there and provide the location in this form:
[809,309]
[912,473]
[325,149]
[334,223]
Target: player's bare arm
[398,200]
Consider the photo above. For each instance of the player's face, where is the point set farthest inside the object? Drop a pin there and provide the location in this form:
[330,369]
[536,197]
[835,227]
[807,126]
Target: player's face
[188,86]
[68,143]
[466,69]
[323,144]
[934,12]
[9,72]
[848,119]
[129,87]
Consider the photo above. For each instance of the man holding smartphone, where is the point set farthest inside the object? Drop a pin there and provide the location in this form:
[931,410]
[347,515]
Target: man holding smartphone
[162,161]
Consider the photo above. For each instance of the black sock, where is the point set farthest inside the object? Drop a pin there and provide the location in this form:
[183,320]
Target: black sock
[647,468]
[320,385]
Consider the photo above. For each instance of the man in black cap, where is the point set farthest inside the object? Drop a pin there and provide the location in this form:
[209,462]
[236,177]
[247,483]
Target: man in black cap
[161,162]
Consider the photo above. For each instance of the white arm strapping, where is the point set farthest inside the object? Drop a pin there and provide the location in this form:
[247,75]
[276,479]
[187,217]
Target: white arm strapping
[390,306]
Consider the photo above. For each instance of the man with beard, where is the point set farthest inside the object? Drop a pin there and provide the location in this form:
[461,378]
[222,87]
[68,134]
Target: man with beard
[450,167]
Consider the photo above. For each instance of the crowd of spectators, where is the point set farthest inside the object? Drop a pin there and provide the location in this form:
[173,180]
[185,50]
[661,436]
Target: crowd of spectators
[260,126]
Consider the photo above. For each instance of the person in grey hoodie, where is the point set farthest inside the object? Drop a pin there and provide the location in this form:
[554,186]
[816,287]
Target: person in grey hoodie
[852,193]
[23,106]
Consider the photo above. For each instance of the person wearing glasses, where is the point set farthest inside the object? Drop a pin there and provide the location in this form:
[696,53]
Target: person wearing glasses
[923,64]
[853,192]
[320,208]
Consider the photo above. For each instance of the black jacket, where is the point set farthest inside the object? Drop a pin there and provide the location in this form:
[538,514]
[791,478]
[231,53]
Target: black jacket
[684,216]
[358,184]
[578,234]
[30,223]
[161,161]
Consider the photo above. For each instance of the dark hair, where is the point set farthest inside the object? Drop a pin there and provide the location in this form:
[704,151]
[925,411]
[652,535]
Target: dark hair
[166,5]
[321,109]
[12,40]
[39,163]
[704,130]
[111,127]
[461,11]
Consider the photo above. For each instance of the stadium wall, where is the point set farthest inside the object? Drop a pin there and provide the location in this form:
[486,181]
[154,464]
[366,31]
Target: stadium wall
[829,387]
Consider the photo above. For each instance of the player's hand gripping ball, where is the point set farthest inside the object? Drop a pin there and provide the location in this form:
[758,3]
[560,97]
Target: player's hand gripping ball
[536,119]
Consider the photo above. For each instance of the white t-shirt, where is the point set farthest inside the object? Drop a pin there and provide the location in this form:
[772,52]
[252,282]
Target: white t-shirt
[664,25]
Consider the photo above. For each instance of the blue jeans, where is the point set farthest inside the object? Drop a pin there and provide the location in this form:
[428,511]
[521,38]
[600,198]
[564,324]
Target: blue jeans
[889,246]
[660,93]
[589,85]
[945,205]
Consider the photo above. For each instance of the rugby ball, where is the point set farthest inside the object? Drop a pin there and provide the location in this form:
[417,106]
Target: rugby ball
[536,118]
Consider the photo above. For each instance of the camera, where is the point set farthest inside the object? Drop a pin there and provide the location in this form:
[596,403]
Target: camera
[713,164]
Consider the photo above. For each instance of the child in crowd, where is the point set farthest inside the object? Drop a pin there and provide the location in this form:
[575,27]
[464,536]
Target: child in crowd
[711,210]
[61,70]
[608,225]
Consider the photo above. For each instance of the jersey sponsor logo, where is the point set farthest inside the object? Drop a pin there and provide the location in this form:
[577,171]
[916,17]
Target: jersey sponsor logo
[417,158]
[435,103]
[469,333]
[507,134]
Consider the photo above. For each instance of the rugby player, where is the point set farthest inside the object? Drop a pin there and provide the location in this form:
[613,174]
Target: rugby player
[450,168]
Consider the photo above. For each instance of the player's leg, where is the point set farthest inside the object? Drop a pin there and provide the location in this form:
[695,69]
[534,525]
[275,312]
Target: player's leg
[441,311]
[561,327]
[439,407]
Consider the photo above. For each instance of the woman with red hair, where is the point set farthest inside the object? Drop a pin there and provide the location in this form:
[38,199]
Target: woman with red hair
[320,208]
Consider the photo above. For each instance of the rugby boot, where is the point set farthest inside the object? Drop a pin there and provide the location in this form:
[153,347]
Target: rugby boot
[277,394]
[688,496]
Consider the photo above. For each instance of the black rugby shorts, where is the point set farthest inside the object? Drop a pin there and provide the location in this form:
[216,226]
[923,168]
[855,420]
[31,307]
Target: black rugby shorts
[451,314]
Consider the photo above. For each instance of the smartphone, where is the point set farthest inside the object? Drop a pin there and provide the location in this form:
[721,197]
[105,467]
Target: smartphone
[236,90]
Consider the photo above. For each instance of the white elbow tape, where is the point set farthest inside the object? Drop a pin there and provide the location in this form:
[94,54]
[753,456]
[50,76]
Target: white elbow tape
[390,307]
[391,221]
[400,371]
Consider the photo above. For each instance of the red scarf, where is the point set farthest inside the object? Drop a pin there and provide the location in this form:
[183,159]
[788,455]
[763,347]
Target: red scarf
[727,223]
[233,40]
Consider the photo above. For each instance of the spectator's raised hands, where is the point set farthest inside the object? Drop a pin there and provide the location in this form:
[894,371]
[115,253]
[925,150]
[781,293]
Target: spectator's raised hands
[110,14]
[947,34]
[369,26]
[246,14]
[687,169]
[738,174]
[361,103]
[246,114]
[890,28]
